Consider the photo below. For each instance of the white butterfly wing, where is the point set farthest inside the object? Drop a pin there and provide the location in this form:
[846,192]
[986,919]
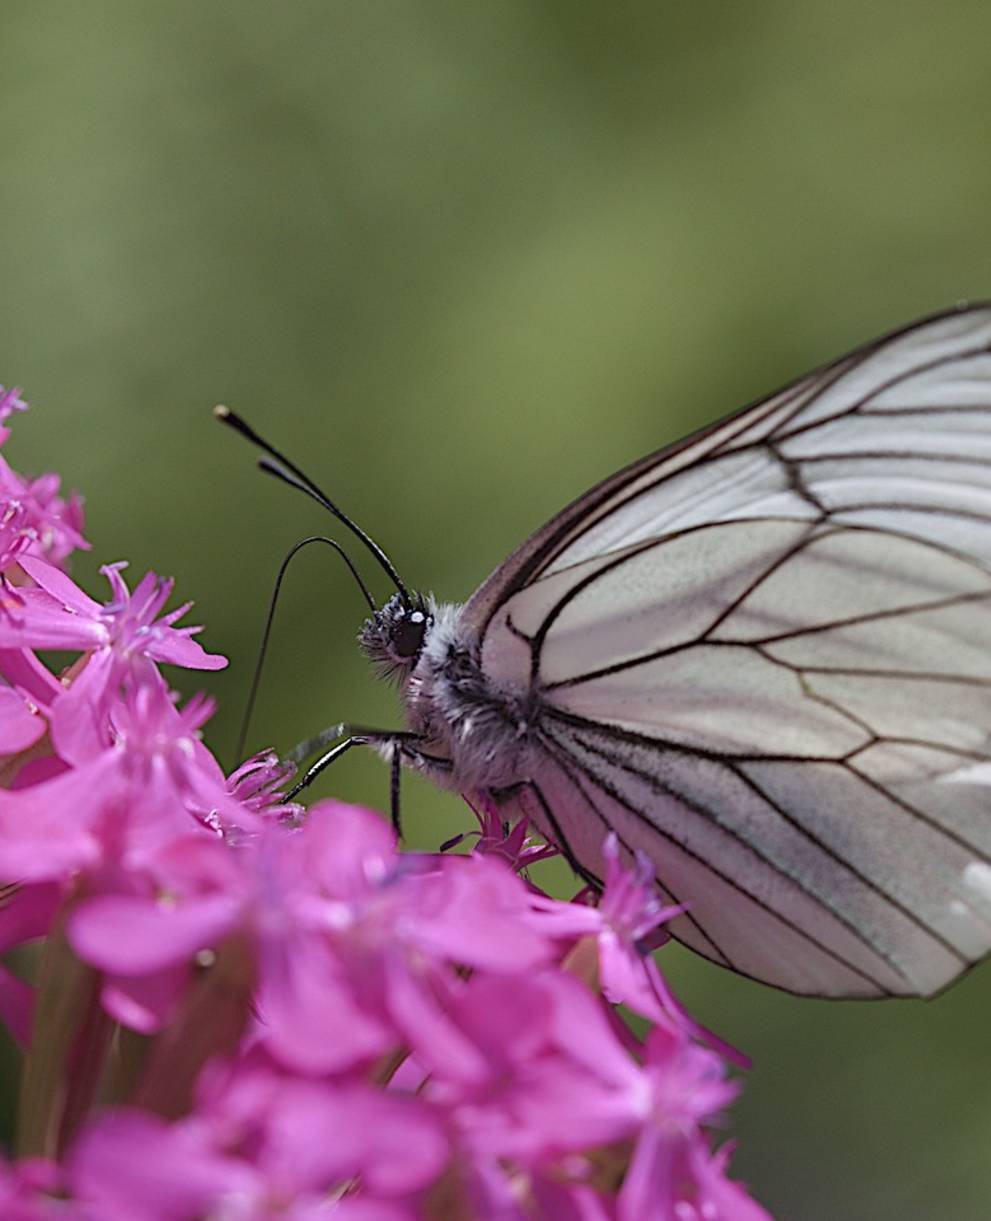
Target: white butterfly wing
[763,657]
[829,441]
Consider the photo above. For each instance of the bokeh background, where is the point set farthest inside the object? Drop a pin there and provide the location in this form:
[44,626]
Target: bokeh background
[462,261]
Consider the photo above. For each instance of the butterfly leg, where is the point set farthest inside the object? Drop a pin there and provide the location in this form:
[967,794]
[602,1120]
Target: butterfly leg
[403,745]
[396,743]
[323,762]
[395,768]
[310,746]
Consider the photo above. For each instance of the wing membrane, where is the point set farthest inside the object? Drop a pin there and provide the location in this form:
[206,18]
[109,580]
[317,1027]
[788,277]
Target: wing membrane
[763,657]
[783,925]
[890,397]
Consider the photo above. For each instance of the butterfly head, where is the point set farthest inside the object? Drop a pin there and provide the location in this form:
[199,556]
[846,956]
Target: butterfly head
[393,637]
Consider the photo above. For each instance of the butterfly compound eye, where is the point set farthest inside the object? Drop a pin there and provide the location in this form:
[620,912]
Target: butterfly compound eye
[394,636]
[408,633]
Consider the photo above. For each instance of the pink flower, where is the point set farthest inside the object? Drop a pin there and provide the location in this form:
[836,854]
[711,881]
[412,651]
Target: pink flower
[16,535]
[124,804]
[258,783]
[144,930]
[672,1175]
[55,525]
[131,1166]
[511,842]
[11,401]
[555,1079]
[27,1191]
[523,1197]
[20,723]
[358,947]
[124,641]
[332,1028]
[355,950]
[316,1133]
[358,953]
[262,1144]
[24,671]
[633,921]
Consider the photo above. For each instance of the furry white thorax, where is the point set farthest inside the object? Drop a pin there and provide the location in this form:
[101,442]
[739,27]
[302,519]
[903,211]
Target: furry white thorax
[482,729]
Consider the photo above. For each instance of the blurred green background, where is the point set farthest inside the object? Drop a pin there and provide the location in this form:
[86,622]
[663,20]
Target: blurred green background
[462,260]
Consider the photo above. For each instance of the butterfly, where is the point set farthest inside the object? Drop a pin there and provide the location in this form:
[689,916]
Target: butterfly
[761,657]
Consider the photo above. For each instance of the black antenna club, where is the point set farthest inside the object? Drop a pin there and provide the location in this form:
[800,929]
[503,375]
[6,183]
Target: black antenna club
[283,468]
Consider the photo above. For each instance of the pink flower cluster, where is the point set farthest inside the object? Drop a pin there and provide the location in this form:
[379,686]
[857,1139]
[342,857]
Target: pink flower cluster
[246,1010]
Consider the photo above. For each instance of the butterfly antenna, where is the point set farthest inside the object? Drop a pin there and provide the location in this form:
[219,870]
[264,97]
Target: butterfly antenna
[283,468]
[270,618]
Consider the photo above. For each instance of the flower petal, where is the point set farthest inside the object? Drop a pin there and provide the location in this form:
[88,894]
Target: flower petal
[80,727]
[19,727]
[54,581]
[130,935]
[33,619]
[132,1164]
[176,648]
